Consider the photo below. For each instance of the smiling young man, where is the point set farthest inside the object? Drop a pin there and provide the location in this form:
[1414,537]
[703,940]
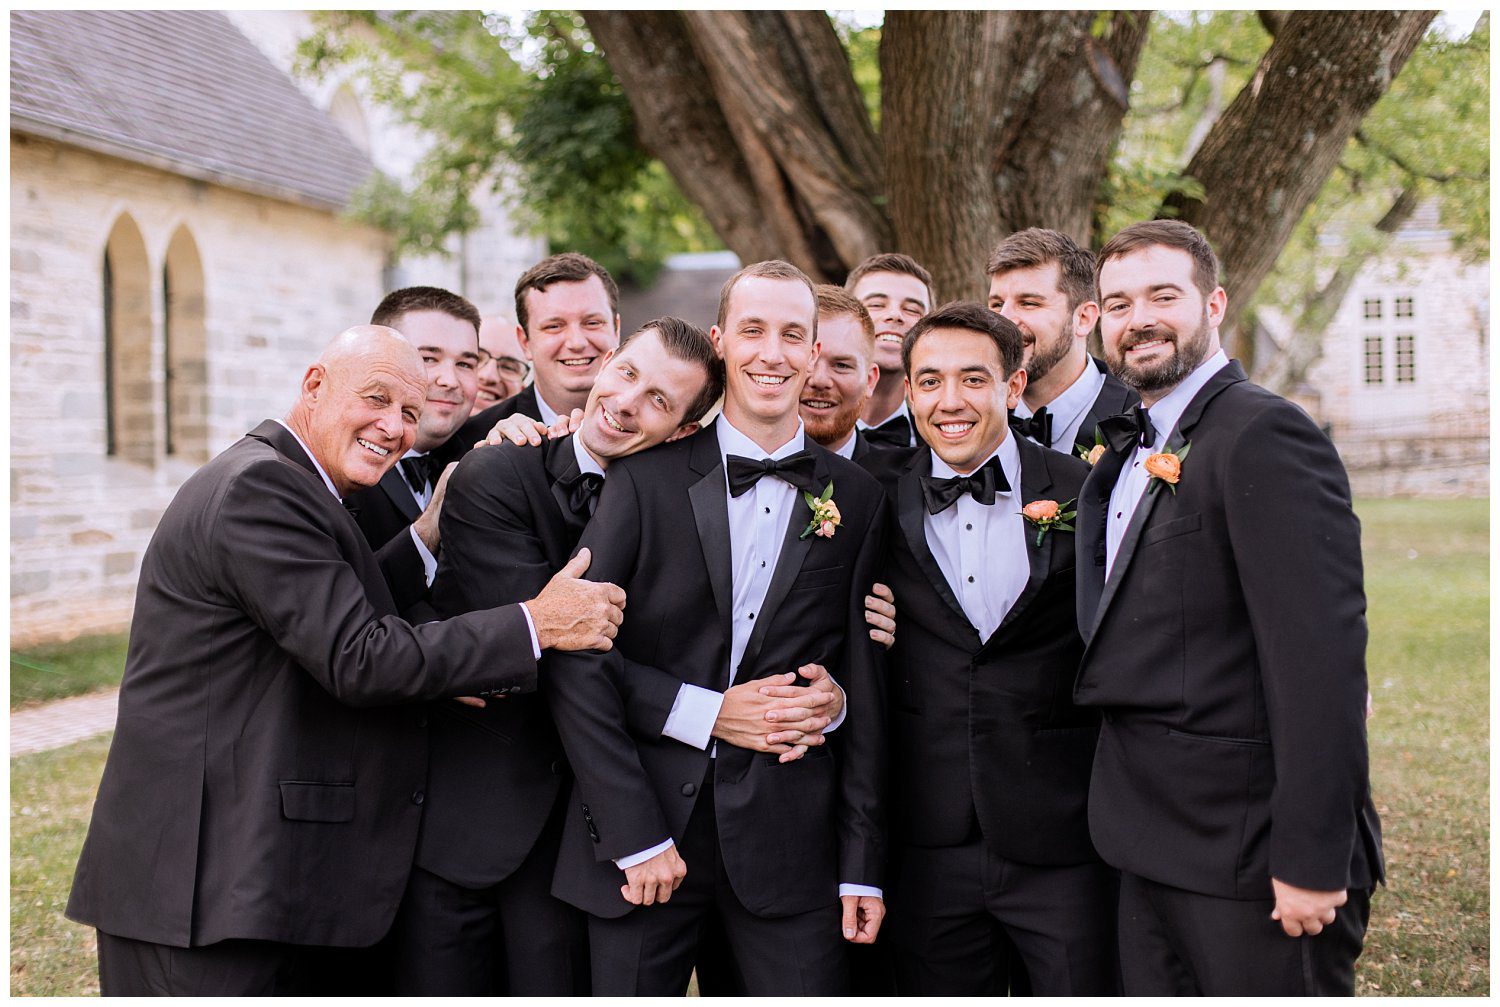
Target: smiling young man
[502,363]
[399,515]
[897,291]
[477,917]
[733,579]
[567,320]
[844,375]
[1221,596]
[1044,283]
[990,839]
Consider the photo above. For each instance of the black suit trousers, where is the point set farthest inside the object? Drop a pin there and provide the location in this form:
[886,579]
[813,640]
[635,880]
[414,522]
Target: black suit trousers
[129,967]
[650,951]
[1180,943]
[510,939]
[952,909]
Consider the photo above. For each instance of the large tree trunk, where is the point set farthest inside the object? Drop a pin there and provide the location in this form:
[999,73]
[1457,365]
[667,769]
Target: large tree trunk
[1269,154]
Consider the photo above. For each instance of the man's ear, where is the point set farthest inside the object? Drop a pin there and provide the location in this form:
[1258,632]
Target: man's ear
[1085,317]
[1015,385]
[686,430]
[1218,305]
[314,384]
[872,380]
[717,335]
[525,343]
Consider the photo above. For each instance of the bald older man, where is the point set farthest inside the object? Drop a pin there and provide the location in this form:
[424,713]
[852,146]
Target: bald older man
[263,791]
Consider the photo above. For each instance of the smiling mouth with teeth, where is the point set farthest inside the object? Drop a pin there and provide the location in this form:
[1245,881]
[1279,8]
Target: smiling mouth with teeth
[889,337]
[955,428]
[577,361]
[769,380]
[382,452]
[818,403]
[611,422]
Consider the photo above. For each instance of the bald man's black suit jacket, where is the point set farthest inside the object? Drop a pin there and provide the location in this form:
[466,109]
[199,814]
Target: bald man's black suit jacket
[266,775]
[789,834]
[1227,653]
[988,730]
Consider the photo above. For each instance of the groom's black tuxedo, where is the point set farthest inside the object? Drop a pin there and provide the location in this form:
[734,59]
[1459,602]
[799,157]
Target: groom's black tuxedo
[994,748]
[1227,650]
[787,834]
[264,781]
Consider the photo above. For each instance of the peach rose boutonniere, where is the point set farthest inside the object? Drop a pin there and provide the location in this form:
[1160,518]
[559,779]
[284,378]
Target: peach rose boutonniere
[1093,454]
[825,514]
[1165,469]
[1049,515]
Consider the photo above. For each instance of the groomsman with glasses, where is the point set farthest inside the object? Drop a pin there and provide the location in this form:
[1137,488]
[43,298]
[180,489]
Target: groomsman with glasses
[503,369]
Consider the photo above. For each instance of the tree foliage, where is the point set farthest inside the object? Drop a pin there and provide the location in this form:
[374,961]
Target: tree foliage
[786,169]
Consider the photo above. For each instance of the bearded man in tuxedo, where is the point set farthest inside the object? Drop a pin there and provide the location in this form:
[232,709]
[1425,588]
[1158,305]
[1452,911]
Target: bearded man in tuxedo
[1221,598]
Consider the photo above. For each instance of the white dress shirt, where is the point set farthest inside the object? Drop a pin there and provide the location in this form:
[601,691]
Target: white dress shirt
[1070,407]
[846,449]
[423,496]
[1126,495]
[982,550]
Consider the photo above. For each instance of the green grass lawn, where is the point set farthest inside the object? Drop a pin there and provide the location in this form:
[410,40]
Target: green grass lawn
[1427,576]
[66,669]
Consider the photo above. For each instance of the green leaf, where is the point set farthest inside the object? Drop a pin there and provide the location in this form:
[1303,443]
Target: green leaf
[1183,453]
[812,501]
[827,493]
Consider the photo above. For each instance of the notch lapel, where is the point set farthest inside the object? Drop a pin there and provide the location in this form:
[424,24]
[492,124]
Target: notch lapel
[910,512]
[709,497]
[794,550]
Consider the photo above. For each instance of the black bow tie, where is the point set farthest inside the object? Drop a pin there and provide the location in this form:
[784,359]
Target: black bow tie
[1128,430]
[1037,426]
[796,469]
[982,485]
[894,433]
[418,471]
[583,492]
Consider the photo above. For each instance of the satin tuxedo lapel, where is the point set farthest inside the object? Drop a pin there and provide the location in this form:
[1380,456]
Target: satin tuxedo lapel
[1114,398]
[794,551]
[710,499]
[1181,435]
[394,487]
[910,513]
[1036,479]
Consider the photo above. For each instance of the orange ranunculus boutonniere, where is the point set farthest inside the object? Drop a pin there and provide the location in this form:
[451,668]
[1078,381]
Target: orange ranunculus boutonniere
[1165,469]
[1049,515]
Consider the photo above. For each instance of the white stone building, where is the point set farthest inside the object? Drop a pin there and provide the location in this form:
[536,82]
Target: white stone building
[178,256]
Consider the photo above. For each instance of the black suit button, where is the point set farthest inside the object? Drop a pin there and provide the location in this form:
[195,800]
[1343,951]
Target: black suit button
[688,790]
[418,797]
[556,768]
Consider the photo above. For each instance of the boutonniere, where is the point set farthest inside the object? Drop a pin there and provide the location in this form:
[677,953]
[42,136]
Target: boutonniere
[1165,468]
[825,514]
[1049,515]
[1093,454]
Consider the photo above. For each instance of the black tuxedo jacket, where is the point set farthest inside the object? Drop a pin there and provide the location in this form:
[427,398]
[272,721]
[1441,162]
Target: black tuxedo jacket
[1227,650]
[263,782]
[384,513]
[1114,398]
[495,773]
[477,427]
[661,532]
[988,729]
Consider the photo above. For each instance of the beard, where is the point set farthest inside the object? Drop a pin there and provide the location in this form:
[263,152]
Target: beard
[1048,353]
[832,428]
[1165,374]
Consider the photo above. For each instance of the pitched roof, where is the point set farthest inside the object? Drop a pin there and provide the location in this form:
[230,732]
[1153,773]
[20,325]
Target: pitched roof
[180,90]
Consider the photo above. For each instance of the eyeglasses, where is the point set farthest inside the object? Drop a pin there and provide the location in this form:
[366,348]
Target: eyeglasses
[509,366]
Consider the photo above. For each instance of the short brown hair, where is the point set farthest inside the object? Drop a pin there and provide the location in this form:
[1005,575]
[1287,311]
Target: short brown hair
[400,302]
[1172,234]
[686,341]
[835,301]
[976,318]
[771,269]
[1039,246]
[565,267]
[890,262]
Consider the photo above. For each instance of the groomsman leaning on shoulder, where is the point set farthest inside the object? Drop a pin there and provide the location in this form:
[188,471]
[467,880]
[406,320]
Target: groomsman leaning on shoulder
[1044,283]
[735,577]
[260,804]
[897,291]
[1221,596]
[988,809]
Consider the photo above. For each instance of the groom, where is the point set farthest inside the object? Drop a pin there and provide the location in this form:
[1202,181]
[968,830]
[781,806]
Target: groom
[668,828]
[1221,600]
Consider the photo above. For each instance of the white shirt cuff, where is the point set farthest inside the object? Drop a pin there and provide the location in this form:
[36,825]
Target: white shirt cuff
[429,561]
[843,710]
[536,645]
[694,712]
[643,856]
[861,890]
